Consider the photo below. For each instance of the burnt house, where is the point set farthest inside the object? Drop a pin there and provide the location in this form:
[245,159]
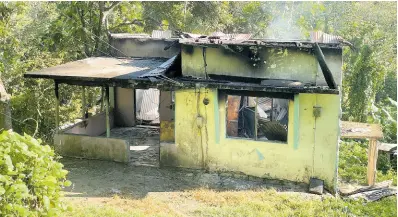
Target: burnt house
[223,102]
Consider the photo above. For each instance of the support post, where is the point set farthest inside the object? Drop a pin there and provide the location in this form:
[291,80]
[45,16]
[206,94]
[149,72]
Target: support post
[325,69]
[56,106]
[108,127]
[84,104]
[255,119]
[372,160]
[102,99]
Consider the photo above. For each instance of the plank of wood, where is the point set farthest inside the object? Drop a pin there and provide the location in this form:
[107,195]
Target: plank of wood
[372,160]
[356,130]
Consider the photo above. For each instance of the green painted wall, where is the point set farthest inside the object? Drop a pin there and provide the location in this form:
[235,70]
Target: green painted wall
[200,141]
[273,63]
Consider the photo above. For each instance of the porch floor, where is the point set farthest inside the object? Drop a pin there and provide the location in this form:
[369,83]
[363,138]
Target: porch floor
[144,144]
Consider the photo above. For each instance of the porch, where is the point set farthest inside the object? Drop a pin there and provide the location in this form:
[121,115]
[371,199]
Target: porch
[138,145]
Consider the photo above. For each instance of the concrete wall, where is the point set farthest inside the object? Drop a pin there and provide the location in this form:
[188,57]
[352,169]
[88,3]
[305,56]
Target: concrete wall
[93,126]
[124,107]
[166,114]
[92,147]
[273,63]
[311,149]
[143,47]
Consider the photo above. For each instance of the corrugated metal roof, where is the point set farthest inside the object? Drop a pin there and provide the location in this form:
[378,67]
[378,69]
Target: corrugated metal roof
[129,35]
[161,34]
[160,70]
[100,67]
[233,36]
[321,37]
[219,35]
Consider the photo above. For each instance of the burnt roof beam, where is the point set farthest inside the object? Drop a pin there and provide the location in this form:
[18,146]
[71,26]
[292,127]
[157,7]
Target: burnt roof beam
[324,67]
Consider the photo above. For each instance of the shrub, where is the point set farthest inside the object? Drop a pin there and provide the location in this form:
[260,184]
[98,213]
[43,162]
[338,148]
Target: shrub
[30,177]
[353,163]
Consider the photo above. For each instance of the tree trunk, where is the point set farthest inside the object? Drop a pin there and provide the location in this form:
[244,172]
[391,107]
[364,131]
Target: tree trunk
[99,27]
[84,37]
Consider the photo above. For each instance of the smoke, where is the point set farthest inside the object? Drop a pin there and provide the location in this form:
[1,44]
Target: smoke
[282,28]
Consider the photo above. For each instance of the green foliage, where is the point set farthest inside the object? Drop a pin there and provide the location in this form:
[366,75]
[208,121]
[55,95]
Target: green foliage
[30,177]
[35,35]
[353,162]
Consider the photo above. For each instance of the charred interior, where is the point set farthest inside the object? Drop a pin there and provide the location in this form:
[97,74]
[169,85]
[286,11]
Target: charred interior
[258,118]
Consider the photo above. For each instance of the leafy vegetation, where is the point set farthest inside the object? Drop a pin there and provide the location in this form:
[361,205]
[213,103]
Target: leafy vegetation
[30,177]
[353,163]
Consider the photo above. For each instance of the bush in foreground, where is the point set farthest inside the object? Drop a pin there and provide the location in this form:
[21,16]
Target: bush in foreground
[30,177]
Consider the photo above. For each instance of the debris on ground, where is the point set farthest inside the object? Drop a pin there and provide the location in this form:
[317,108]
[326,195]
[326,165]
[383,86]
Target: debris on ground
[369,193]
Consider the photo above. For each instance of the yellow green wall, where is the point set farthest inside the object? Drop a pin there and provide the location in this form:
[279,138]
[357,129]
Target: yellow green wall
[275,63]
[200,139]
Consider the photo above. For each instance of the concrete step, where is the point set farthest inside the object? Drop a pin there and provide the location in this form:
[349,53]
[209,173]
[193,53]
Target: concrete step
[144,155]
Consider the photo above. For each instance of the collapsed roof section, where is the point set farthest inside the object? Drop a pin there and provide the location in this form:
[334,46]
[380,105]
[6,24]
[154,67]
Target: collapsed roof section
[225,61]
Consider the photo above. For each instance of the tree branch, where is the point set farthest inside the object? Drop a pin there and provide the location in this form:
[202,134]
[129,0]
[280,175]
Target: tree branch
[114,4]
[106,11]
[134,22]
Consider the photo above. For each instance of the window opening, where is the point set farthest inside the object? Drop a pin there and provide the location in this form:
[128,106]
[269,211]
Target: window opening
[257,118]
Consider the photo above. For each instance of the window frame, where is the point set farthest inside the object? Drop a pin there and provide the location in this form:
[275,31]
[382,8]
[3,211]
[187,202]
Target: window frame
[288,96]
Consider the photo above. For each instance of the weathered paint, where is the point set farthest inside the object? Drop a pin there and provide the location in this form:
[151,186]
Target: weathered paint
[124,111]
[143,47]
[271,63]
[216,118]
[167,131]
[92,147]
[296,121]
[92,126]
[198,148]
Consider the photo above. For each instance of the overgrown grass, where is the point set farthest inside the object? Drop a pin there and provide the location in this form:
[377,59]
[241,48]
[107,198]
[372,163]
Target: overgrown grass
[234,203]
[117,206]
[353,164]
[271,203]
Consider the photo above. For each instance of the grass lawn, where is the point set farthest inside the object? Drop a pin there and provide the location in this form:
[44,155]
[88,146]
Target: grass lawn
[148,193]
[204,202]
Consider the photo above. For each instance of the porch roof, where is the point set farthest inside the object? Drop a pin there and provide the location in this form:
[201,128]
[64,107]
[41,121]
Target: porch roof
[99,69]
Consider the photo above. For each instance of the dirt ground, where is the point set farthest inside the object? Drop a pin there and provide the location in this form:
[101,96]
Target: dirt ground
[94,178]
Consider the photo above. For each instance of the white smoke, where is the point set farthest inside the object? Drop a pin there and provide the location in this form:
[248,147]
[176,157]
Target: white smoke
[284,29]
